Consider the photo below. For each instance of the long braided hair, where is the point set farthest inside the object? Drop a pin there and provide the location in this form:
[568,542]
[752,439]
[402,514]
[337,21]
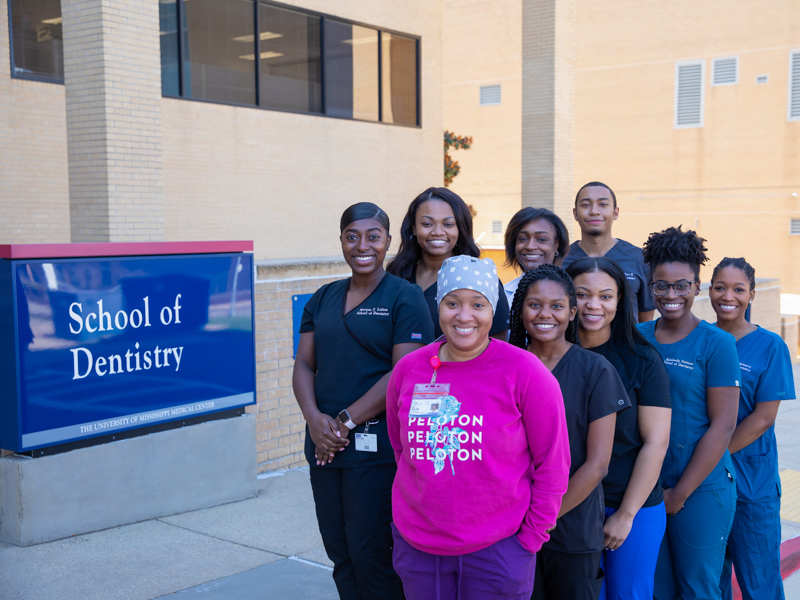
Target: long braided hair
[519,336]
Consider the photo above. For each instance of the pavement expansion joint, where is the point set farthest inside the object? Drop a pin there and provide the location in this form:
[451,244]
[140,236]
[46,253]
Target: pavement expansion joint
[222,539]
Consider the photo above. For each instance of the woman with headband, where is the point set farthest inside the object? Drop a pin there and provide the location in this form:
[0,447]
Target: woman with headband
[352,333]
[479,435]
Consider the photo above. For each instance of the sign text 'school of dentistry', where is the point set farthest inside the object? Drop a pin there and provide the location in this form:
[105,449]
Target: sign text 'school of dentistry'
[93,346]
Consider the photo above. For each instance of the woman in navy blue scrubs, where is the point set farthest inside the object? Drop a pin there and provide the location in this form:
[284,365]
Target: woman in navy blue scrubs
[754,542]
[703,368]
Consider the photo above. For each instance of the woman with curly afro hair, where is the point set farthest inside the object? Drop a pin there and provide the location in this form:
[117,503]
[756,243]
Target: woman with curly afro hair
[703,368]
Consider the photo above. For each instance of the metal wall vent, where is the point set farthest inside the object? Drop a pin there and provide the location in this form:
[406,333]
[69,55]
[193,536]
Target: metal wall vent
[497,227]
[490,94]
[794,85]
[725,71]
[689,94]
[794,227]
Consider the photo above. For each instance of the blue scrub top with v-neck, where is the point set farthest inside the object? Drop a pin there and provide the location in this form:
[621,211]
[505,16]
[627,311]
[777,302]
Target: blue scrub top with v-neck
[703,359]
[766,376]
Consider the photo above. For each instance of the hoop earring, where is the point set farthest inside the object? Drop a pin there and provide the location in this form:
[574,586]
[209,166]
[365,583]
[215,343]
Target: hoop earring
[556,254]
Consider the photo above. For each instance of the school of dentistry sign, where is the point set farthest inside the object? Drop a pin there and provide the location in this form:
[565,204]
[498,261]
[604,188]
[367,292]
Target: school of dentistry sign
[101,338]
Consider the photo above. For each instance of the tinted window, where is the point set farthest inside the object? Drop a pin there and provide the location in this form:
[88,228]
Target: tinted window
[351,71]
[168,17]
[220,50]
[225,51]
[291,73]
[399,79]
[37,38]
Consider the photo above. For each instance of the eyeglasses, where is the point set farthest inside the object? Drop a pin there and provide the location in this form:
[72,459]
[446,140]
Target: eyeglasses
[661,288]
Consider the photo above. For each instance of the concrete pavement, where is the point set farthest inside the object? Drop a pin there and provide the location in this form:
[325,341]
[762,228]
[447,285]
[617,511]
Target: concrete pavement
[262,548]
[266,547]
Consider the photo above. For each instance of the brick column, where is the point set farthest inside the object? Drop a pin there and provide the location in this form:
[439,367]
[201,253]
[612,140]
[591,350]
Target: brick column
[112,74]
[548,104]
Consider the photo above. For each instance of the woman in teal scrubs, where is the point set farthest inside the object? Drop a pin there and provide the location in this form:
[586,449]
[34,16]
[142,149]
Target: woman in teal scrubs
[703,368]
[755,540]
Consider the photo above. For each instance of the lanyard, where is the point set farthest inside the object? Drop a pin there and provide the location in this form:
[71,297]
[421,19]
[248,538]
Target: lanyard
[435,363]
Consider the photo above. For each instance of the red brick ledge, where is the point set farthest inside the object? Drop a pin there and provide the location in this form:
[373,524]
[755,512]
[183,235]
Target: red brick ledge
[80,250]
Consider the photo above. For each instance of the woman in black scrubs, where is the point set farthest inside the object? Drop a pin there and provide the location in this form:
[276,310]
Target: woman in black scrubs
[352,334]
[543,320]
[438,225]
[635,514]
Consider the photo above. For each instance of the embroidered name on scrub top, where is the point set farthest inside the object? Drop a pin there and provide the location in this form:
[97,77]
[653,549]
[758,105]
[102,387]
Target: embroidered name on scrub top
[373,312]
[677,362]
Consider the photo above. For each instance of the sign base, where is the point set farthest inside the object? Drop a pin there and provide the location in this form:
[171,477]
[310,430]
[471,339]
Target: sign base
[89,489]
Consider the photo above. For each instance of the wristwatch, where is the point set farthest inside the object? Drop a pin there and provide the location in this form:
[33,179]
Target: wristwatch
[344,417]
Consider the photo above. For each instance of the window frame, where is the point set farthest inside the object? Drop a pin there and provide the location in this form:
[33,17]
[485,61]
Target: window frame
[180,11]
[12,64]
[685,63]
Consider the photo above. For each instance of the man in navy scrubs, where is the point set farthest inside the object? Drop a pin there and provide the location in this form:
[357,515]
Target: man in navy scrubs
[595,211]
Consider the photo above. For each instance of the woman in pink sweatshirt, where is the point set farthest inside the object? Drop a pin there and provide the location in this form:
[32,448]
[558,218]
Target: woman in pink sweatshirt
[480,438]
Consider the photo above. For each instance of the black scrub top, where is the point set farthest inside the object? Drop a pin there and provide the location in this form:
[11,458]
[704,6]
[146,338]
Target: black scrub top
[646,381]
[348,366]
[630,259]
[591,389]
[499,322]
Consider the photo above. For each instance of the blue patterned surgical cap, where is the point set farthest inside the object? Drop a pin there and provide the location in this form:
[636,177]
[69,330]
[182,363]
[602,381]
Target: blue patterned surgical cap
[469,273]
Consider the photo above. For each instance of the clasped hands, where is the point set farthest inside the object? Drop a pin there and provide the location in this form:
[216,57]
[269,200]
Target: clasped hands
[329,437]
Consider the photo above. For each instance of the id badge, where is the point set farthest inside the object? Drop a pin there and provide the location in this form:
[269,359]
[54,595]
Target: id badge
[366,442]
[427,399]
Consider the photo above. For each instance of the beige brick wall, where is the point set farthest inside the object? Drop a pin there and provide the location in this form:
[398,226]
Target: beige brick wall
[209,171]
[34,197]
[112,74]
[523,148]
[280,428]
[733,178]
[548,103]
[283,179]
[490,55]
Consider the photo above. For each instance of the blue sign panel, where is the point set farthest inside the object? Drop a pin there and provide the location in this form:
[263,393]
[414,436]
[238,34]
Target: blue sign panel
[106,345]
[299,302]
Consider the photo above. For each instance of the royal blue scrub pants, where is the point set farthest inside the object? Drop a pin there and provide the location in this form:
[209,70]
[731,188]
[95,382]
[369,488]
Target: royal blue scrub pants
[754,547]
[691,556]
[631,568]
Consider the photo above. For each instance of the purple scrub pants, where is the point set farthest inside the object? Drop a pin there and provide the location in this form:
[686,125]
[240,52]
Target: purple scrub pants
[504,570]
